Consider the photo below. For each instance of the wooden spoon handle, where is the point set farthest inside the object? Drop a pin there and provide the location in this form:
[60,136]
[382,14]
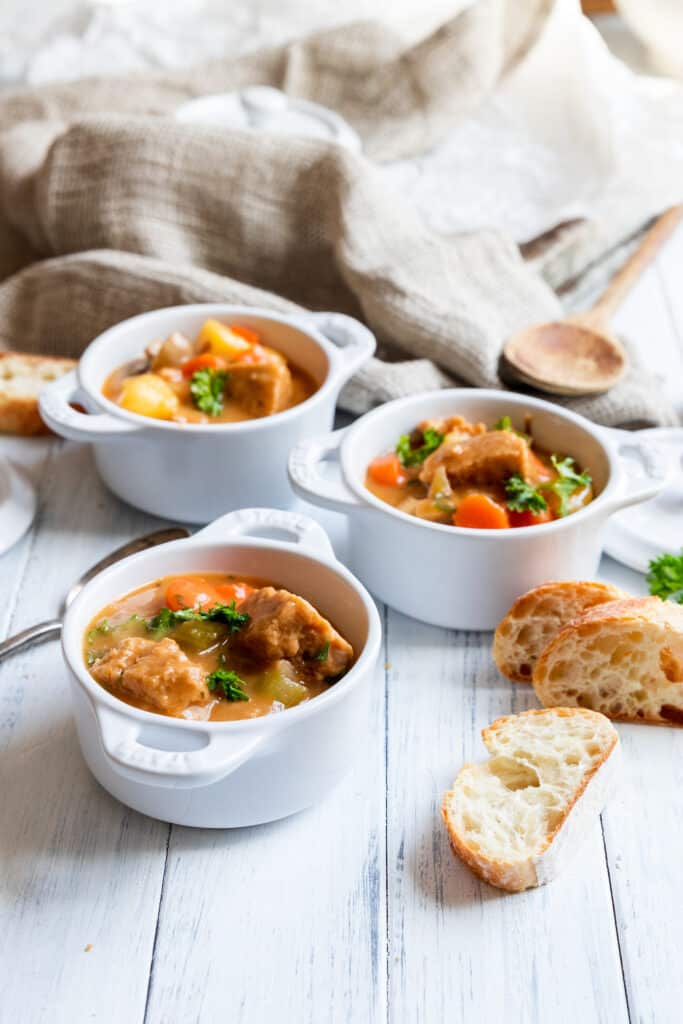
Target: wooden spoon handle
[624,280]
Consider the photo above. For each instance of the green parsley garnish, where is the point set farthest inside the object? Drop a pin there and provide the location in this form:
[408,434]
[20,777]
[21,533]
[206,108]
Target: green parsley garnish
[207,387]
[101,629]
[522,497]
[228,614]
[505,423]
[322,653]
[567,482]
[665,577]
[229,682]
[409,456]
[165,619]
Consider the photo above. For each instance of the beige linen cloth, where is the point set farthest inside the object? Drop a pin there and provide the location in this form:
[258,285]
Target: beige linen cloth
[109,208]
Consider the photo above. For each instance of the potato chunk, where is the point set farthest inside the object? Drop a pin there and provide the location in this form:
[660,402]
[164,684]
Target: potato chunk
[219,339]
[149,395]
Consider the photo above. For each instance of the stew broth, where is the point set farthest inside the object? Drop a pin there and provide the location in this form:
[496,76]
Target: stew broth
[214,647]
[458,473]
[225,375]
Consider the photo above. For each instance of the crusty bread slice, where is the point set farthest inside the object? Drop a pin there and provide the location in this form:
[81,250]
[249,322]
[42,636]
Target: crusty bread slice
[537,616]
[516,819]
[624,659]
[21,378]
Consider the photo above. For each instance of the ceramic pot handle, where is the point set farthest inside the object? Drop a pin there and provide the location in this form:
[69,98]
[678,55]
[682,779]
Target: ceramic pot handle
[308,480]
[646,466]
[355,342]
[271,524]
[56,410]
[164,766]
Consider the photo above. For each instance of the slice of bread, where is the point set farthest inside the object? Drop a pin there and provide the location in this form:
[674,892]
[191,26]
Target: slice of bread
[517,819]
[624,659]
[21,378]
[537,616]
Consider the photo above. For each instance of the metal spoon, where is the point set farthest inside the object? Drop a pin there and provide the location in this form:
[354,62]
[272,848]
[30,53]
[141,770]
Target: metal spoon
[44,630]
[579,356]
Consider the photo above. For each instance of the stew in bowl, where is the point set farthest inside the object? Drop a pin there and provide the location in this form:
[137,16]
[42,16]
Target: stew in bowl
[214,647]
[226,374]
[453,471]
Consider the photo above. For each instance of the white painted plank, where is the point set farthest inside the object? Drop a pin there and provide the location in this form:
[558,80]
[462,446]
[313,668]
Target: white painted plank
[643,825]
[458,949]
[283,922]
[644,834]
[77,867]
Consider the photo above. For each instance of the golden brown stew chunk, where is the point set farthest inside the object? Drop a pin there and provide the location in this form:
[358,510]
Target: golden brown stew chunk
[224,375]
[482,459]
[282,625]
[154,671]
[213,646]
[458,473]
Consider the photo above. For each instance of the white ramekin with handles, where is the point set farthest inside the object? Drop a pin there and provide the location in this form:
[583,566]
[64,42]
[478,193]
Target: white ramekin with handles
[227,774]
[196,472]
[466,578]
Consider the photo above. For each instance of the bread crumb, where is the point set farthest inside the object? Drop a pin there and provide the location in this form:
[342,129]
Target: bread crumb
[387,666]
[88,948]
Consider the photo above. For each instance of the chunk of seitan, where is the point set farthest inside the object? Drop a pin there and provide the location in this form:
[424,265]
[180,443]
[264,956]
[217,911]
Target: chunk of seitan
[261,388]
[282,625]
[453,428]
[483,459]
[156,672]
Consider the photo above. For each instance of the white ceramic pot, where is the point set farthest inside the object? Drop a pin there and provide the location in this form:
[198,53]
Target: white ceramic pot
[196,472]
[462,578]
[226,774]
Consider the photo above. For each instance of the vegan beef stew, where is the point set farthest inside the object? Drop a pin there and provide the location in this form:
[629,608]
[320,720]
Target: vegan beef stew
[225,375]
[214,647]
[459,473]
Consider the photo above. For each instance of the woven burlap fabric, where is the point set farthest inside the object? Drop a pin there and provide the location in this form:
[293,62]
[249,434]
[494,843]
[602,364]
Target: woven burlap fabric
[112,214]
[400,97]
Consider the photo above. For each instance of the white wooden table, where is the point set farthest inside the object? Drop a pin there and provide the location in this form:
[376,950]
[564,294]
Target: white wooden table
[354,911]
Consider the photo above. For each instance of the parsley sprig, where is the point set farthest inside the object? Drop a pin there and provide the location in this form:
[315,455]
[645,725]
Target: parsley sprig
[207,387]
[505,423]
[522,497]
[227,681]
[568,481]
[165,619]
[101,628]
[321,655]
[665,577]
[409,456]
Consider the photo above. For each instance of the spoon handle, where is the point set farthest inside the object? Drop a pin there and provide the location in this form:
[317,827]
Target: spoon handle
[32,635]
[624,279]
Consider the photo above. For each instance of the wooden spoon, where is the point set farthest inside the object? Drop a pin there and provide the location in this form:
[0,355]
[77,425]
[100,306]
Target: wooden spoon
[578,355]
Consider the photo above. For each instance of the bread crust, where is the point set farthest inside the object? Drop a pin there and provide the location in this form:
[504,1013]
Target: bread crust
[524,874]
[595,624]
[535,617]
[19,412]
